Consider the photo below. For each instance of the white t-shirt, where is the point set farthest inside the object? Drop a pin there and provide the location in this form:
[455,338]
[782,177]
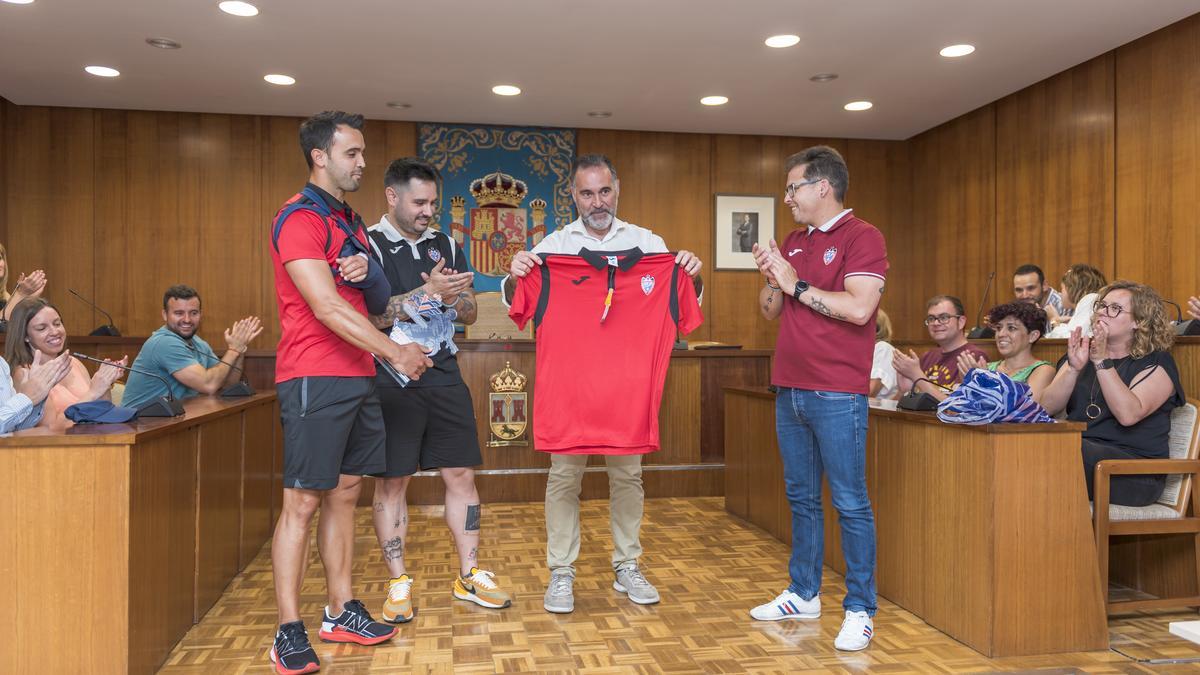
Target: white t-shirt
[1082,318]
[882,370]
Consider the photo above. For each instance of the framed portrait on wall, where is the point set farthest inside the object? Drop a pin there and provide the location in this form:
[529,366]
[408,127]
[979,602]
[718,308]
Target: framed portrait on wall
[741,222]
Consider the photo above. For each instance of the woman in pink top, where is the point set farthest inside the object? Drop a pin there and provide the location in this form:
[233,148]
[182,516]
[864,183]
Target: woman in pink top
[36,325]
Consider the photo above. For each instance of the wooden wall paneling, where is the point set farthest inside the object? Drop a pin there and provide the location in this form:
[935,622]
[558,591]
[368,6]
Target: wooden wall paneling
[7,110]
[218,507]
[258,447]
[284,173]
[665,186]
[881,193]
[386,141]
[679,415]
[1055,193]
[162,528]
[716,374]
[1158,159]
[953,215]
[51,194]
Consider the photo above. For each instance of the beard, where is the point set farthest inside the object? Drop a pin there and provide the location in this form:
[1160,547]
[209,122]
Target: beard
[600,219]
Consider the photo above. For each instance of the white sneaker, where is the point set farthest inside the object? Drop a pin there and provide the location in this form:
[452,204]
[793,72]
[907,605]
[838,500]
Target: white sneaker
[788,605]
[857,629]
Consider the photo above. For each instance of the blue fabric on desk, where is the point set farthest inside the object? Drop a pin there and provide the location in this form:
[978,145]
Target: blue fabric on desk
[986,397]
[99,412]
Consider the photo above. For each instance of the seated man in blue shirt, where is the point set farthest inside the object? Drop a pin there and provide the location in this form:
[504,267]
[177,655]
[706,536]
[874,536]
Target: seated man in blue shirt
[183,358]
[21,405]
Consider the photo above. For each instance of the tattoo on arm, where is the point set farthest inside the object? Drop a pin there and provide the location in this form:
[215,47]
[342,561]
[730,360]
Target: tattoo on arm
[395,309]
[472,518]
[821,308]
[881,289]
[393,549]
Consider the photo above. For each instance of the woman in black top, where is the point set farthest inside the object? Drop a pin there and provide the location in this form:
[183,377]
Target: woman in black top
[1123,383]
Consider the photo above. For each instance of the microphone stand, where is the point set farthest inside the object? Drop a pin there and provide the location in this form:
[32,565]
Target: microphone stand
[1189,327]
[980,332]
[163,406]
[108,329]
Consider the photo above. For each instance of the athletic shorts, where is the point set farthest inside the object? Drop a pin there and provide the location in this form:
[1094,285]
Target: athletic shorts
[429,428]
[331,426]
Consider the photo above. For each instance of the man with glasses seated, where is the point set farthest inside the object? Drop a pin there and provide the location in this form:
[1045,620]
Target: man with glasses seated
[936,371]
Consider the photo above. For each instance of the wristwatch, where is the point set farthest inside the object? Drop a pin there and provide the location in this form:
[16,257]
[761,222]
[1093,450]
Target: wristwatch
[801,286]
[1104,364]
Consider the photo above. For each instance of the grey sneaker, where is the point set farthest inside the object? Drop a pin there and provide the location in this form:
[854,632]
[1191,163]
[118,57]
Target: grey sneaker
[560,595]
[633,583]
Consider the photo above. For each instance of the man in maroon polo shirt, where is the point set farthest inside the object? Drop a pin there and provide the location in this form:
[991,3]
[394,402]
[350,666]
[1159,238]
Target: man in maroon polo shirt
[824,284]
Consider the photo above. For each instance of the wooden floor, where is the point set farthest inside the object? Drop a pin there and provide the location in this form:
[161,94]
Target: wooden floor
[710,568]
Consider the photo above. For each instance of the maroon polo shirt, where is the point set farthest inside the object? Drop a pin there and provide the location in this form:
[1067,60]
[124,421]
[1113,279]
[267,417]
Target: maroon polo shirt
[816,352]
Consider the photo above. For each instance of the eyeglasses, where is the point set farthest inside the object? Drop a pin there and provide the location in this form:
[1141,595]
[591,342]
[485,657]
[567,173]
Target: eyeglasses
[940,318]
[791,188]
[1111,311]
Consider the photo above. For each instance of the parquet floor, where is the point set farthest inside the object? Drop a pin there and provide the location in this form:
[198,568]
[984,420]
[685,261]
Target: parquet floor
[709,567]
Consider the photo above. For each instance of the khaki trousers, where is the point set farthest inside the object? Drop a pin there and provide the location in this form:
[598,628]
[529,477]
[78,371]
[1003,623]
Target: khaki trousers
[562,508]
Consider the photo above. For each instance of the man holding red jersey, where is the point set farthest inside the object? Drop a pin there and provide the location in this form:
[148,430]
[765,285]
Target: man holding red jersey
[595,189]
[824,284]
[332,424]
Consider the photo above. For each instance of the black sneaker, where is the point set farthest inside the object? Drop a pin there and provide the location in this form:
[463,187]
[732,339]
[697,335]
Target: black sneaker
[355,625]
[292,654]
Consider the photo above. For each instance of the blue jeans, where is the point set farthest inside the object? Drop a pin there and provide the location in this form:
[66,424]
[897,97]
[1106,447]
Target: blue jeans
[827,431]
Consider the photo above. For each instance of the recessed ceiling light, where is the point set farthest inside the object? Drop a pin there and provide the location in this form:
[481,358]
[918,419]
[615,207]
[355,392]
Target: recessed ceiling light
[19,2]
[506,90]
[715,100]
[163,43]
[282,80]
[824,77]
[781,41]
[954,51]
[855,106]
[599,114]
[398,105]
[102,71]
[238,8]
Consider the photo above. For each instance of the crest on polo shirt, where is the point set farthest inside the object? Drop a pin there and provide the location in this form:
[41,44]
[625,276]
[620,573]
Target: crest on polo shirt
[647,284]
[830,254]
[434,254]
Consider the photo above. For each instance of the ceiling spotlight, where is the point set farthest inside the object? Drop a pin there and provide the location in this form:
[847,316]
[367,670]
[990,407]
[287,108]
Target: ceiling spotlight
[781,41]
[824,77]
[600,114]
[506,90]
[163,43]
[855,106]
[282,80]
[238,8]
[715,100]
[19,2]
[398,105]
[954,51]
[102,71]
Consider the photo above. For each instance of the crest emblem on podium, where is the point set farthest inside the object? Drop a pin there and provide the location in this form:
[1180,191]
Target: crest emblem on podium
[508,409]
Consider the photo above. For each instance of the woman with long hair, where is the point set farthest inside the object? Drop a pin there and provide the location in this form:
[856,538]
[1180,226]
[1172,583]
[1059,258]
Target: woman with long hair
[30,286]
[37,326]
[1122,383]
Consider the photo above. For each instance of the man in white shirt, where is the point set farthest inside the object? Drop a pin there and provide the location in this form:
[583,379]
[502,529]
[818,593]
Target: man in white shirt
[21,405]
[595,188]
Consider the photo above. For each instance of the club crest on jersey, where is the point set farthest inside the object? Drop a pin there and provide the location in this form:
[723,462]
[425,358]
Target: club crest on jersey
[647,284]
[434,254]
[830,254]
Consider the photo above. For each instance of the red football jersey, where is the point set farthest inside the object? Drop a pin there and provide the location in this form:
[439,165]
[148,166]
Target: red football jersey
[602,358]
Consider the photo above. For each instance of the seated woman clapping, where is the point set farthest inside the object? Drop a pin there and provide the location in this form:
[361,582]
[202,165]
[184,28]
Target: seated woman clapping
[1122,383]
[1018,326]
[36,325]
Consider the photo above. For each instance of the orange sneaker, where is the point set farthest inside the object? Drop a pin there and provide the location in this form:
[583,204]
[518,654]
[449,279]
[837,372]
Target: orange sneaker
[398,607]
[480,588]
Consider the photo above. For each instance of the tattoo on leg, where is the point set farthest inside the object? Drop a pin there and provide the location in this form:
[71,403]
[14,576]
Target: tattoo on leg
[393,549]
[471,555]
[472,518]
[379,507]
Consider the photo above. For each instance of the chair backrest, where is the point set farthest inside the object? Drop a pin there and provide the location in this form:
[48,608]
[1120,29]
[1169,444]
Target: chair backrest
[1184,443]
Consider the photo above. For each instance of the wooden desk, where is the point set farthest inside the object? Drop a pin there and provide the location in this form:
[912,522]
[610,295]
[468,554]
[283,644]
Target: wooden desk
[118,537]
[983,532]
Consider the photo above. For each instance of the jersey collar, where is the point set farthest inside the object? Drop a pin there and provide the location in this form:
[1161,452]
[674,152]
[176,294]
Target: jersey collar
[832,222]
[628,258]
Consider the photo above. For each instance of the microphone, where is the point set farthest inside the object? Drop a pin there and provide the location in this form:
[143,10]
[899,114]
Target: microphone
[163,406]
[982,332]
[1189,327]
[107,329]
[918,400]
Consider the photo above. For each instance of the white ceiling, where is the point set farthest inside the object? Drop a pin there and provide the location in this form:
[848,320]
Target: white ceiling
[647,61]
